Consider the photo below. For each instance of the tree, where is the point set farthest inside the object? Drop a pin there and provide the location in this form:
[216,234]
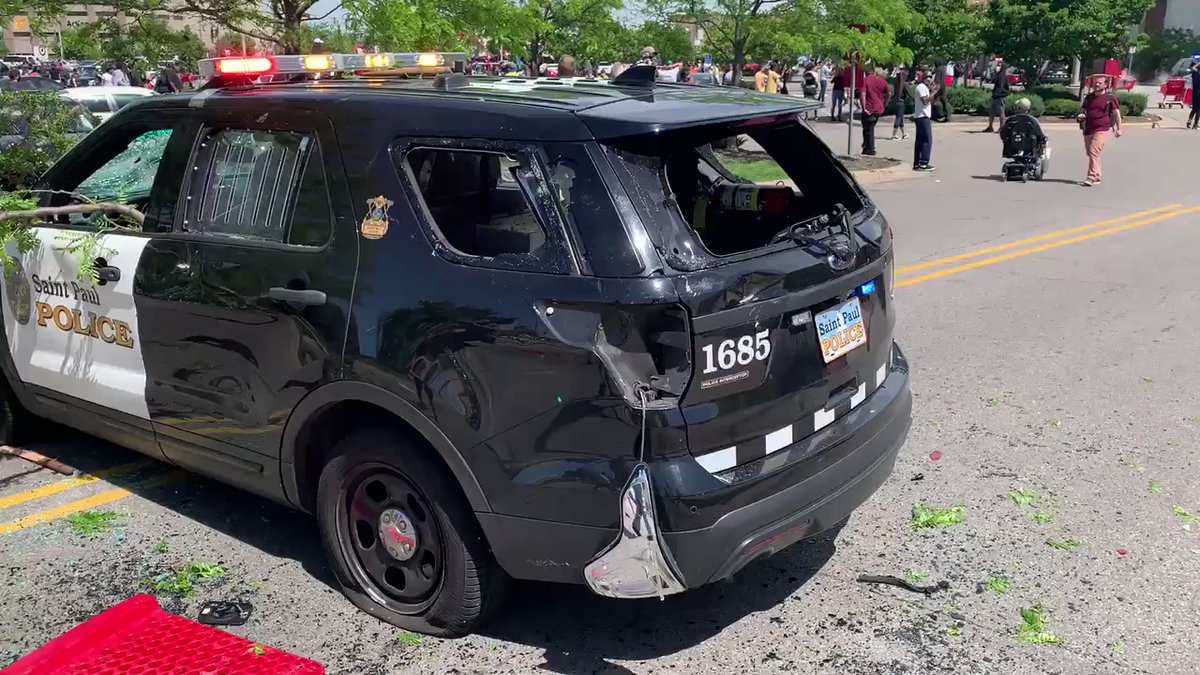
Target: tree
[1162,50]
[337,37]
[233,42]
[950,30]
[542,27]
[670,40]
[81,42]
[1028,33]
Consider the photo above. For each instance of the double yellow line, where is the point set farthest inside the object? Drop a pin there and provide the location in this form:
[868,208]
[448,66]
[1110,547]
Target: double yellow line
[95,501]
[1129,222]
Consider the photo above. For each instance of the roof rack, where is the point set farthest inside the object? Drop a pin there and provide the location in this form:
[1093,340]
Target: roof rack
[240,70]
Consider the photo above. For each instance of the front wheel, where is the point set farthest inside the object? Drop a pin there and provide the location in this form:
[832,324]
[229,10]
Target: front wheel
[401,538]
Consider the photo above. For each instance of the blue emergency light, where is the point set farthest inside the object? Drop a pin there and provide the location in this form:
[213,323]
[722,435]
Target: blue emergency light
[867,288]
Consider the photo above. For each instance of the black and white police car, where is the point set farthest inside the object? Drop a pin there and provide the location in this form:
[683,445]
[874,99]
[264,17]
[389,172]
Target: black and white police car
[482,328]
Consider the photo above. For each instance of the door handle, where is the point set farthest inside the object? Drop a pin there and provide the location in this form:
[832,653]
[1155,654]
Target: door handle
[105,272]
[300,297]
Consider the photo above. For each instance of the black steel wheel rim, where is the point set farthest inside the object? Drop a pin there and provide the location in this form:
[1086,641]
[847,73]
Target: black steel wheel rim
[404,586]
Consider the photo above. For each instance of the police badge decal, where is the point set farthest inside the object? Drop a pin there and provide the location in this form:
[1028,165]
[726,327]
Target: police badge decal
[375,225]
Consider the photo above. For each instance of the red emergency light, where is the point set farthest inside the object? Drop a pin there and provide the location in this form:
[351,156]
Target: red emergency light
[244,65]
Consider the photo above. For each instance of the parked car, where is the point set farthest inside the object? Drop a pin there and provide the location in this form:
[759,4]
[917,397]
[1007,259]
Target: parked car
[34,83]
[104,102]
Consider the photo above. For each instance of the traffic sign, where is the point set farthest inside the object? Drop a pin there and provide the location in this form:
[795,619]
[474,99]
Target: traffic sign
[41,53]
[708,59]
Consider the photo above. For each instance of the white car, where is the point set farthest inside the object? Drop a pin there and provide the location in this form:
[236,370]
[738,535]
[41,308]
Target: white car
[104,102]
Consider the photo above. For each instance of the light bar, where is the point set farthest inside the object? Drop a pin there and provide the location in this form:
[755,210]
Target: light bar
[295,64]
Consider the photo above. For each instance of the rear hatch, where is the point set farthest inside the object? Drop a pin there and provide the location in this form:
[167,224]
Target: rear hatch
[784,266]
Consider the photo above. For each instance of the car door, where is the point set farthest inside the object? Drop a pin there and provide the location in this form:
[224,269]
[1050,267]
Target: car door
[71,320]
[251,293]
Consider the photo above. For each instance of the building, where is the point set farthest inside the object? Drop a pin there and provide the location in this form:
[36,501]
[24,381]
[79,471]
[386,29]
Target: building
[19,37]
[1180,14]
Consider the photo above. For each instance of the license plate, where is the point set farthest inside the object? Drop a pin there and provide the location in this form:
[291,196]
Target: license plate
[841,329]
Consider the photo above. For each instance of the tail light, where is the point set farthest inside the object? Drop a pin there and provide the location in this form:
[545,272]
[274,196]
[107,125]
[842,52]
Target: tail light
[644,348]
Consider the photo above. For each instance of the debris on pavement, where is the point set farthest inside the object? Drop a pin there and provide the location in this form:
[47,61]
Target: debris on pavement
[1023,496]
[38,459]
[917,477]
[1064,544]
[1122,552]
[225,613]
[935,455]
[916,576]
[91,524]
[1155,487]
[925,517]
[998,584]
[408,639]
[1042,517]
[1186,516]
[889,580]
[1033,626]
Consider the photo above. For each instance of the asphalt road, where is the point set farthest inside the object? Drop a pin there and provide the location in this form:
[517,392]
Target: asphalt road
[1063,366]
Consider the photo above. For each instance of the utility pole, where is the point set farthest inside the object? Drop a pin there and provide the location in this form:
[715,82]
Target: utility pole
[850,104]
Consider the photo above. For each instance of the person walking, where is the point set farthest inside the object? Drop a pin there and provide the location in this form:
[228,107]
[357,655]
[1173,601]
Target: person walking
[942,78]
[838,97]
[899,95]
[1194,116]
[1100,118]
[923,118]
[999,96]
[826,73]
[874,98]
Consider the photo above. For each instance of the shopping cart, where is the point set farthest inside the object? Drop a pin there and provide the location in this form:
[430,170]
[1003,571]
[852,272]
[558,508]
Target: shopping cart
[1175,92]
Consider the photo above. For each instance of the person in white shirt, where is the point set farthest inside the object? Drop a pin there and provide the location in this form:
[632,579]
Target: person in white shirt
[119,78]
[106,78]
[923,116]
[826,73]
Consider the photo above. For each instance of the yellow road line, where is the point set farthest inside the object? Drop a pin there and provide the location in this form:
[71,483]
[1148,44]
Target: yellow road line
[1045,247]
[1032,240]
[69,483]
[42,517]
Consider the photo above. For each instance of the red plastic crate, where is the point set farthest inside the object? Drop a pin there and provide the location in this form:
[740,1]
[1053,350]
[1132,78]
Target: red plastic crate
[138,638]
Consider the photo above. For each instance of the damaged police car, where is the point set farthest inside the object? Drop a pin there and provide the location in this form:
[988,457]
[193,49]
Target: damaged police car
[481,328]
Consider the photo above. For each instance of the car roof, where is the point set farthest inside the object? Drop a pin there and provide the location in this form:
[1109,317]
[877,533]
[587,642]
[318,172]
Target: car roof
[520,108]
[85,91]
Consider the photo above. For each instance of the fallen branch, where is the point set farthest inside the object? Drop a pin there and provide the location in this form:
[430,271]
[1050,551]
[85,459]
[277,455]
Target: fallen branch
[52,211]
[38,459]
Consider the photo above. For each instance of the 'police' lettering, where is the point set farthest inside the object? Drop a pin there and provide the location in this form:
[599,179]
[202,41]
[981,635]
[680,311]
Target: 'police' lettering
[112,331]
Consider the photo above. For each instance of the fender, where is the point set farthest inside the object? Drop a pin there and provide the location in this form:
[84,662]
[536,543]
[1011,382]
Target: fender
[345,390]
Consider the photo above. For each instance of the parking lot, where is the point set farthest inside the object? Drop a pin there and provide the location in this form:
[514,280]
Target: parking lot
[1051,330]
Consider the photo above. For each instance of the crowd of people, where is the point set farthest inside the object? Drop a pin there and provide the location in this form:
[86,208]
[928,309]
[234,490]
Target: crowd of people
[65,74]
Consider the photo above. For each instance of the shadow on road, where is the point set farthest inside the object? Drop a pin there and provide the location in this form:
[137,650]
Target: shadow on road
[269,527]
[579,632]
[997,177]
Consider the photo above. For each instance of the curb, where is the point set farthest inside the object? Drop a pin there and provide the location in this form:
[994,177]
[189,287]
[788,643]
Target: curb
[889,174]
[1053,122]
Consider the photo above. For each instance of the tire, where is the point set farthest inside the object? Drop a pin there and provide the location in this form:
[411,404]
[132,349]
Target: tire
[449,583]
[14,419]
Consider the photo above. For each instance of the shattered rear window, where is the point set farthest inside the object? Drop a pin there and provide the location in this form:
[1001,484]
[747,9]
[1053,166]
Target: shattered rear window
[731,190]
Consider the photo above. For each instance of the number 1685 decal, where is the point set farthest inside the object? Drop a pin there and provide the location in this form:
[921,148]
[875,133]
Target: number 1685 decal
[729,354]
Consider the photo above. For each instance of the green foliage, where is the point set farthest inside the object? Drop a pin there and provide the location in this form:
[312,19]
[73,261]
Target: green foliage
[1023,496]
[1163,49]
[418,25]
[971,101]
[91,524]
[1132,103]
[1068,544]
[999,584]
[1036,108]
[916,576]
[1054,92]
[924,517]
[1061,107]
[1042,517]
[671,41]
[946,30]
[1033,626]
[49,125]
[182,582]
[140,44]
[1155,487]
[1186,516]
[408,639]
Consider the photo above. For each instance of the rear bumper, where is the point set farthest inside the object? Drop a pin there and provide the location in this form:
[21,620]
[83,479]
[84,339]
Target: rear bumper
[856,455]
[870,438]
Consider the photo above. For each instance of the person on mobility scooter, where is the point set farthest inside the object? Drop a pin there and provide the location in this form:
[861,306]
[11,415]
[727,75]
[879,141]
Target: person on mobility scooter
[1024,146]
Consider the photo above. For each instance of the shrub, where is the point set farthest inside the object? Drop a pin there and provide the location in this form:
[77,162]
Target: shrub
[1131,103]
[1036,105]
[969,100]
[1061,107]
[1055,92]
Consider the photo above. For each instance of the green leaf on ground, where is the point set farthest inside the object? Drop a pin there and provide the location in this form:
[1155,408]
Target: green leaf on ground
[162,547]
[954,630]
[993,402]
[1155,487]
[92,523]
[924,517]
[257,650]
[916,576]
[1147,380]
[1054,423]
[181,583]
[1042,517]
[999,584]
[1033,626]
[1022,497]
[1118,648]
[1186,516]
[408,639]
[1064,544]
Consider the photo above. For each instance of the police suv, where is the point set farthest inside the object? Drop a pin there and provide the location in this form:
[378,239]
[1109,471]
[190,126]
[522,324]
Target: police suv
[481,328]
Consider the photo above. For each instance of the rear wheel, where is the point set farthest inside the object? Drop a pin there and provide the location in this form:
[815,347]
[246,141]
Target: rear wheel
[401,538]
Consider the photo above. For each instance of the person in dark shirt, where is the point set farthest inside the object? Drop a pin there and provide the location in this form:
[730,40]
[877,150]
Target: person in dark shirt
[899,91]
[874,96]
[1100,118]
[838,86]
[1194,116]
[999,96]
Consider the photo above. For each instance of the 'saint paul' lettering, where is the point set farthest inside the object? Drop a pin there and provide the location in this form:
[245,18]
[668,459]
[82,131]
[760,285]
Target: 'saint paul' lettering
[112,331]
